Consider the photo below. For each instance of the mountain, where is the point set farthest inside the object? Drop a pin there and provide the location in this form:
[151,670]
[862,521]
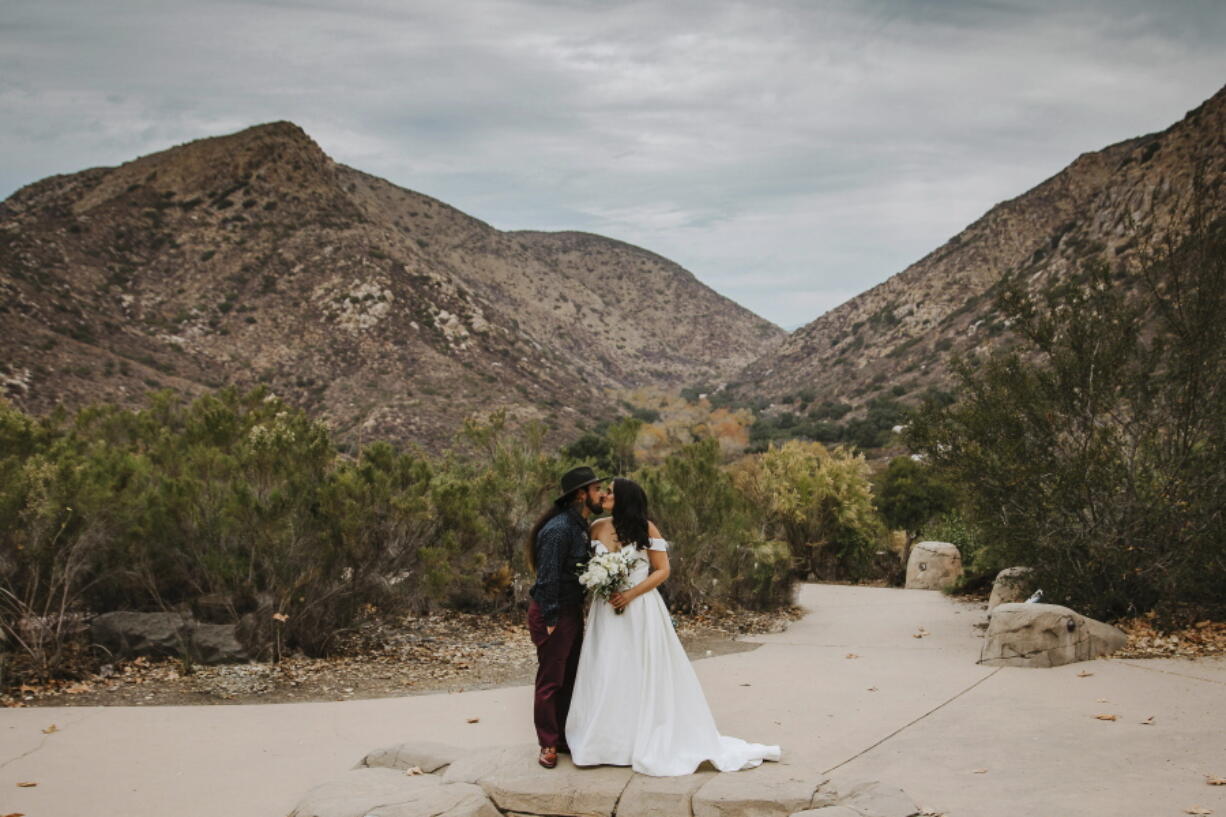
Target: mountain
[255,258]
[899,338]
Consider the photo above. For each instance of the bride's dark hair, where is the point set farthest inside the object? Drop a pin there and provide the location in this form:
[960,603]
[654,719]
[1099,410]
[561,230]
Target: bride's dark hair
[630,513]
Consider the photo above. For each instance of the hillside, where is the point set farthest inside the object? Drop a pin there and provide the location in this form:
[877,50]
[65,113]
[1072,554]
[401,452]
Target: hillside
[255,258]
[899,338]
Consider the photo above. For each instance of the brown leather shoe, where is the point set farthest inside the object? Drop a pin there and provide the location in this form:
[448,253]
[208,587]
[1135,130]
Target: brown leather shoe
[548,757]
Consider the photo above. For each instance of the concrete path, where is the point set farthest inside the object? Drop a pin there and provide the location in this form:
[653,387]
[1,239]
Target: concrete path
[962,739]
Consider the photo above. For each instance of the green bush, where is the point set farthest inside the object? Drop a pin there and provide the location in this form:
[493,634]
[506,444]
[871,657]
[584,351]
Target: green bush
[1096,451]
[719,556]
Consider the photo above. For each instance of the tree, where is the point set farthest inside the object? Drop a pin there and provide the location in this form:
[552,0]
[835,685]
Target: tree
[910,494]
[818,501]
[1095,452]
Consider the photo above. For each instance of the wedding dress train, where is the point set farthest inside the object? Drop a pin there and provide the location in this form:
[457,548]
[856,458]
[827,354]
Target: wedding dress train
[637,701]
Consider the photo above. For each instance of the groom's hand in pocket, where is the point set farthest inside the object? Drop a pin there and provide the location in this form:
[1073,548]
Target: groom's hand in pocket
[549,630]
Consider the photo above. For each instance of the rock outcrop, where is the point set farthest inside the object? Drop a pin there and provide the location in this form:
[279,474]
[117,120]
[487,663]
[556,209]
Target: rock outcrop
[394,782]
[1045,635]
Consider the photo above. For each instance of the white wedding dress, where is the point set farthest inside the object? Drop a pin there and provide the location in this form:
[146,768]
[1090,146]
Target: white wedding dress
[637,701]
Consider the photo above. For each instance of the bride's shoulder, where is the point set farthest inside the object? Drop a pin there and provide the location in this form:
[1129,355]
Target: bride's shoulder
[653,531]
[602,524]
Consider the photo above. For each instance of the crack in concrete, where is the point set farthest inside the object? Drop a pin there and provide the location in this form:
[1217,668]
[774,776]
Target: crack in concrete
[913,722]
[621,794]
[43,742]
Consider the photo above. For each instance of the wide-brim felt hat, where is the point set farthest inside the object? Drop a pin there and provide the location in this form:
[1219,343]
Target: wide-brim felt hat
[577,478]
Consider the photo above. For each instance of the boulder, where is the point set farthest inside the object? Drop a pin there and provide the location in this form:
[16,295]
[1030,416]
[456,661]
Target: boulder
[475,765]
[648,796]
[520,784]
[771,790]
[217,644]
[357,793]
[128,634]
[1012,584]
[507,782]
[513,779]
[257,629]
[1045,635]
[933,566]
[424,755]
[451,800]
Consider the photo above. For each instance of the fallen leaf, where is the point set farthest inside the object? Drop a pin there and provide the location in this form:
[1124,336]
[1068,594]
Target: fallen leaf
[413,770]
[851,655]
[26,785]
[1105,717]
[474,720]
[1214,780]
[1197,810]
[1084,674]
[280,617]
[50,729]
[1148,721]
[15,814]
[980,771]
[1101,700]
[872,689]
[746,685]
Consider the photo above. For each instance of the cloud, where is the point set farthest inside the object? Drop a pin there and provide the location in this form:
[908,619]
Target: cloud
[789,153]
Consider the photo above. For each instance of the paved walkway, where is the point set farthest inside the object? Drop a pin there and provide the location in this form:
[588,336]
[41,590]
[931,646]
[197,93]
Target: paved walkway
[962,739]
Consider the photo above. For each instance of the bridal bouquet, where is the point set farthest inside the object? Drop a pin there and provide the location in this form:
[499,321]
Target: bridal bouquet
[606,573]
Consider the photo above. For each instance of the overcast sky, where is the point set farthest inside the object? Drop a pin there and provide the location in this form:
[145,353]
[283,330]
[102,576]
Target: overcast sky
[789,154]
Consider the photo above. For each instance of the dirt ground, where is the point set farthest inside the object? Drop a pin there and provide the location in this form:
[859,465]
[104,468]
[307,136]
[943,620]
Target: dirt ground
[453,652]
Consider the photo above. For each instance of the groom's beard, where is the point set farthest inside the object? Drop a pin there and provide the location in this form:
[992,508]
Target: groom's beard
[595,507]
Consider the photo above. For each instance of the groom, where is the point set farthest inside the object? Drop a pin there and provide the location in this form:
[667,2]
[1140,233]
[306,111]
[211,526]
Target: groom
[558,547]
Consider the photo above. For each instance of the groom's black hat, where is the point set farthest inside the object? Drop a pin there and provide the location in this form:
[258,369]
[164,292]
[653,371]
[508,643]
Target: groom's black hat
[577,478]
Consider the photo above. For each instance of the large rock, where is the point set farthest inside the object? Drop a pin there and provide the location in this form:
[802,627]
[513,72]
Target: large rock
[475,765]
[513,779]
[933,566]
[771,790]
[507,782]
[424,755]
[1012,584]
[128,634]
[392,793]
[217,644]
[648,796]
[1045,635]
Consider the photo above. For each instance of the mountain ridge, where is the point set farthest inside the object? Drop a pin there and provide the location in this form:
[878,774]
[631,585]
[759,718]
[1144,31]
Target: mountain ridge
[899,337]
[255,258]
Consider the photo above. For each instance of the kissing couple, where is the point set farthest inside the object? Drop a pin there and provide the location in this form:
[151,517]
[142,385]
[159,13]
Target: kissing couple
[624,695]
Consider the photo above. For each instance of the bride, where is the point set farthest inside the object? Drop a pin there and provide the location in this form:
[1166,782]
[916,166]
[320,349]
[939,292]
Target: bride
[637,701]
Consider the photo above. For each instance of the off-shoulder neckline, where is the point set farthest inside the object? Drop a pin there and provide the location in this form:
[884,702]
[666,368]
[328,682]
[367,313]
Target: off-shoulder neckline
[650,540]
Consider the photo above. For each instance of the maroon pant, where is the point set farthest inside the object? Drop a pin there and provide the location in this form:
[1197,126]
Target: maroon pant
[557,656]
